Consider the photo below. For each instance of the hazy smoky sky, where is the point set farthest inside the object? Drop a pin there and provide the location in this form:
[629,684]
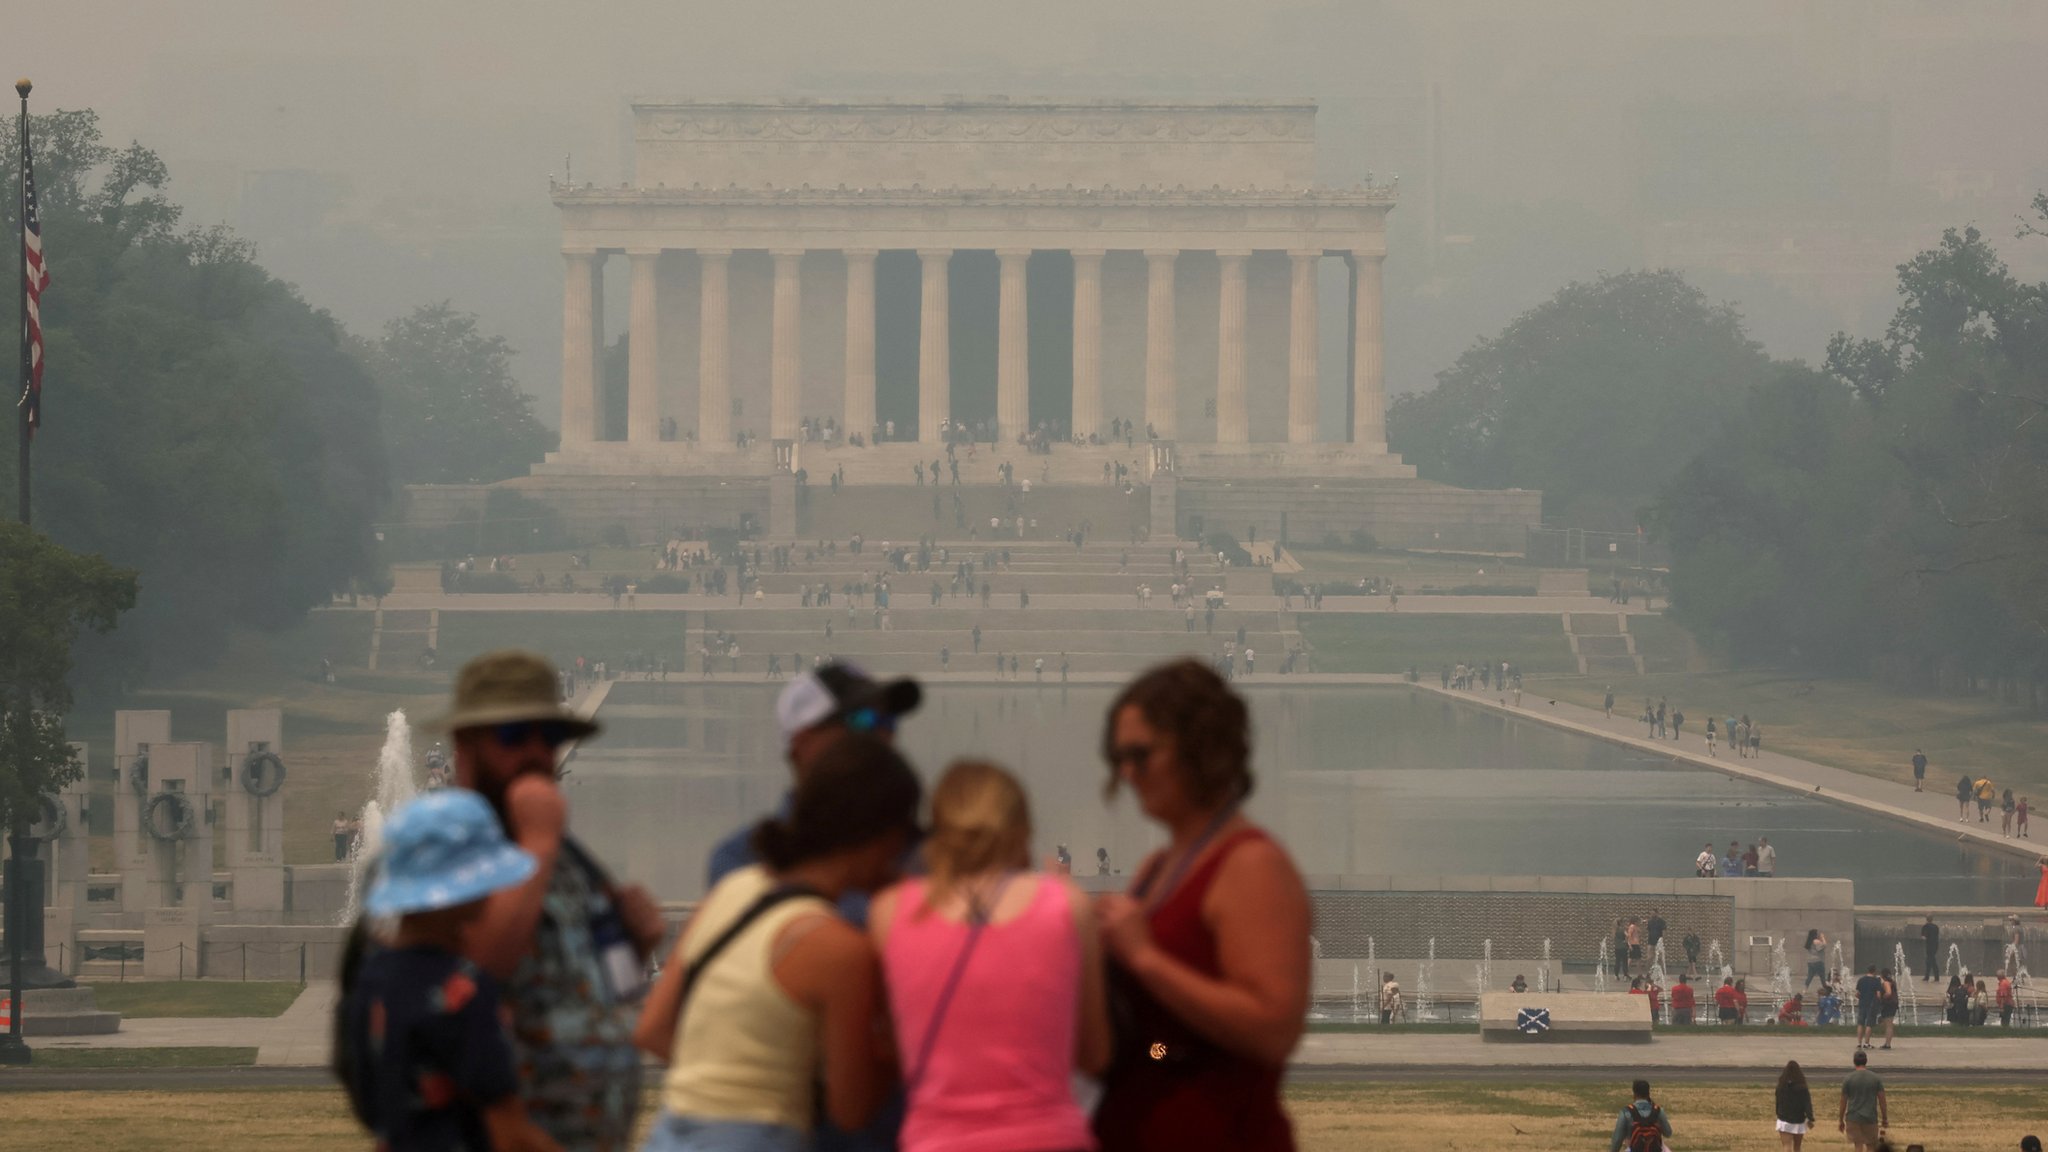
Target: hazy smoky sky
[1785,154]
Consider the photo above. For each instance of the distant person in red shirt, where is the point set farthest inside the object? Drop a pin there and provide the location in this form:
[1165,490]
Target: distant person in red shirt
[1793,1012]
[1728,1001]
[1681,1001]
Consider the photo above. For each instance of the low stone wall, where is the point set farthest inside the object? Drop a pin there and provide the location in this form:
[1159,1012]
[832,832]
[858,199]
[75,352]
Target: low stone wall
[270,952]
[1396,917]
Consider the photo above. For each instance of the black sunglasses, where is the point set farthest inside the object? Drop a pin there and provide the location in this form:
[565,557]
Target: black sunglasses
[553,733]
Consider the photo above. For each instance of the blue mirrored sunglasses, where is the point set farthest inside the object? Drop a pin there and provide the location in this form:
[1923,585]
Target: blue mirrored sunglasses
[871,720]
[553,733]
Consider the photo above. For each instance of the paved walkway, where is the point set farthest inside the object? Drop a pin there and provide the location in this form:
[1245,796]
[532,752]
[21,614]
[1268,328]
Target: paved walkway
[1672,1048]
[1891,799]
[910,600]
[297,1038]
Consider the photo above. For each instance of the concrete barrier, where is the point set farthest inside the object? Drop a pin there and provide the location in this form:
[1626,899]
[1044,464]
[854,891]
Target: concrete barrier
[1563,1017]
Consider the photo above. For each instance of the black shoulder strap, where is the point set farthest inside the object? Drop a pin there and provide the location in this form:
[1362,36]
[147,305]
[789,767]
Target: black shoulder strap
[767,900]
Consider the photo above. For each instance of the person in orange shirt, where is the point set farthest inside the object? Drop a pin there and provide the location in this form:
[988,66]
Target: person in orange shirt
[2005,999]
[1681,1001]
[1725,1001]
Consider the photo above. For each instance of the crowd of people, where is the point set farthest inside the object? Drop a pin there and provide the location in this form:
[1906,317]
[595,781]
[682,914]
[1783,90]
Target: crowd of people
[866,971]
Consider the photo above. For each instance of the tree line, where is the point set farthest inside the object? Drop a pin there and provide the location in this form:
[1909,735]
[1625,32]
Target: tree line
[207,428]
[1884,512]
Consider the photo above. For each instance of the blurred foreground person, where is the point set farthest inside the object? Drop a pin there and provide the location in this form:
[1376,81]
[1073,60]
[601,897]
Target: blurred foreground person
[768,985]
[994,978]
[422,1051]
[1210,947]
[570,944]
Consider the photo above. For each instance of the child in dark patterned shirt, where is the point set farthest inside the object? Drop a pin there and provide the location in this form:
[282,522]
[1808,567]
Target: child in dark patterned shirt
[424,1053]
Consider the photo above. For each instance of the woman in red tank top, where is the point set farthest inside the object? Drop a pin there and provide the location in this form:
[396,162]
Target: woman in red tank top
[1210,948]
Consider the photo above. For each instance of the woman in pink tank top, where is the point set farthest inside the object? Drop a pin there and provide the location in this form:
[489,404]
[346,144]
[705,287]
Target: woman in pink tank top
[994,979]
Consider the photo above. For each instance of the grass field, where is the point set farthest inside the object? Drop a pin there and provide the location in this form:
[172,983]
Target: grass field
[1436,1117]
[1394,642]
[1850,724]
[146,999]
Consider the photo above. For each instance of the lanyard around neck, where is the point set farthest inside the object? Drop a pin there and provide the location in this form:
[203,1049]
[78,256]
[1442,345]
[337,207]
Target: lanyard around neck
[1186,860]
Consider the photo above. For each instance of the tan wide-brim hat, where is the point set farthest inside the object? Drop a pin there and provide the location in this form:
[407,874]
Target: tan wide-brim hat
[508,687]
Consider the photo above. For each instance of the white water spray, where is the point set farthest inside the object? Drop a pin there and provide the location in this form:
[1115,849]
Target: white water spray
[1908,987]
[395,786]
[1600,968]
[1543,973]
[1423,981]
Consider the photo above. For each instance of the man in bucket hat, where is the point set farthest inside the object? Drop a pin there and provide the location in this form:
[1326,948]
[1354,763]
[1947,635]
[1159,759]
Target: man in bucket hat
[570,944]
[424,1055]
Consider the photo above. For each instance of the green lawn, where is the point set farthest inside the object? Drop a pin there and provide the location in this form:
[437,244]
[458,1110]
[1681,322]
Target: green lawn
[1393,642]
[150,999]
[1853,724]
[62,1059]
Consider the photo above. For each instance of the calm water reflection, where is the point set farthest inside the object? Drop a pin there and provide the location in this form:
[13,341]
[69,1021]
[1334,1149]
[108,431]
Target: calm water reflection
[1355,780]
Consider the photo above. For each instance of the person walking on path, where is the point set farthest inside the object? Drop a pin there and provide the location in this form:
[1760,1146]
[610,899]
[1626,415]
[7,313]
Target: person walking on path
[2005,813]
[1390,999]
[1210,947]
[1864,1115]
[1766,858]
[1705,865]
[1642,1125]
[1868,990]
[2020,819]
[1710,736]
[1608,705]
[1794,1106]
[768,991]
[1987,794]
[994,979]
[570,943]
[1919,769]
[1930,943]
[1963,790]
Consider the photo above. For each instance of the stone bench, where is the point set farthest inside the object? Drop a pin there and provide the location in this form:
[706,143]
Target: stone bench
[1573,1017]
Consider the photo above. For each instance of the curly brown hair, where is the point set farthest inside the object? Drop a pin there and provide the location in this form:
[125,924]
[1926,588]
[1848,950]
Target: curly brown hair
[1209,725]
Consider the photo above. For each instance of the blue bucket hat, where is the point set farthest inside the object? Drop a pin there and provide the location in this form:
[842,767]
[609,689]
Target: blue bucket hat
[441,850]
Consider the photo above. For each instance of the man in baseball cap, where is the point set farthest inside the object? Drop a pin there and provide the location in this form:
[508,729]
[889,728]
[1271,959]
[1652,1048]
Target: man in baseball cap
[814,711]
[570,944]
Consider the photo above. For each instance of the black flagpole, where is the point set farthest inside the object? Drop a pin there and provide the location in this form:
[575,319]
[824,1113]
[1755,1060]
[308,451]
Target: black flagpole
[13,1050]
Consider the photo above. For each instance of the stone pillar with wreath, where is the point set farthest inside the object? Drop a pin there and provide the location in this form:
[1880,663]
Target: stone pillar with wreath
[252,783]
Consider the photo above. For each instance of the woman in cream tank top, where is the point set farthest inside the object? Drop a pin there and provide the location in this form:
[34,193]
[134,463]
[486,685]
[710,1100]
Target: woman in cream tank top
[796,988]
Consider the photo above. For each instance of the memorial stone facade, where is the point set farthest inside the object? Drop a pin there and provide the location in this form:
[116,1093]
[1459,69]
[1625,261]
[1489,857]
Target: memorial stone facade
[1192,235]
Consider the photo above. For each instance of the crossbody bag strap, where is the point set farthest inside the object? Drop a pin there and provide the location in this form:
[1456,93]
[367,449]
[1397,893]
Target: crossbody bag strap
[976,925]
[767,900]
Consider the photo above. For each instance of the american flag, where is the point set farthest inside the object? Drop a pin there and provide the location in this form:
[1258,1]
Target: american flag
[35,278]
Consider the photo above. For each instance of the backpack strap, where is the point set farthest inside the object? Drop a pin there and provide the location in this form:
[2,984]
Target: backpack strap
[779,894]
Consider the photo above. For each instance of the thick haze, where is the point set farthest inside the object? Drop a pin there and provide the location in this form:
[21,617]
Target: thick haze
[1783,154]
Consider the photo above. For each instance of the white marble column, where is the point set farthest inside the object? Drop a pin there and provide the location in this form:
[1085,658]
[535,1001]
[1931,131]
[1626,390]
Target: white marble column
[785,353]
[714,381]
[580,287]
[1233,420]
[860,343]
[1162,401]
[1368,384]
[934,346]
[1013,346]
[1301,348]
[1087,341]
[643,351]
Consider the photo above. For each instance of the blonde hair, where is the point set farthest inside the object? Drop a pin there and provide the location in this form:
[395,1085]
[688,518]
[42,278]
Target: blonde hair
[981,821]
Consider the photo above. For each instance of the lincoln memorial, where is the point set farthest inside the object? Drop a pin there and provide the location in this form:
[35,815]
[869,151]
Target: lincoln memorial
[1125,288]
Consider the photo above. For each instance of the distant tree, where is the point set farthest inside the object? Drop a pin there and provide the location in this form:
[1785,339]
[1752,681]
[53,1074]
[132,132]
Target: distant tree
[47,595]
[1773,526]
[1597,397]
[202,424]
[452,412]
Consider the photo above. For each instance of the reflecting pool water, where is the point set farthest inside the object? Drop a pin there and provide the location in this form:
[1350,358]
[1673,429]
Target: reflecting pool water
[1373,780]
